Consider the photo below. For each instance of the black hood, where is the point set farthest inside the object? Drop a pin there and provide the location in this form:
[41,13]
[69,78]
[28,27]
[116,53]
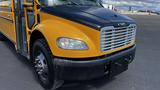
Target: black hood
[94,17]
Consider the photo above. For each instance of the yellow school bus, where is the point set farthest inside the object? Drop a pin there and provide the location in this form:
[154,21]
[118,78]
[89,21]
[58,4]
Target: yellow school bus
[68,40]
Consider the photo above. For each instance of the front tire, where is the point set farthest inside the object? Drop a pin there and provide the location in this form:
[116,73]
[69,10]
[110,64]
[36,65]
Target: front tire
[2,38]
[42,63]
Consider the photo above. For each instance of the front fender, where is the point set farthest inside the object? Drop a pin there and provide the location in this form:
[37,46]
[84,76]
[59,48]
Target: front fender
[53,29]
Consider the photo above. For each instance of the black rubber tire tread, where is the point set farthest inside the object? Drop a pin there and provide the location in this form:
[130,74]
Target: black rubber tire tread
[46,50]
[2,38]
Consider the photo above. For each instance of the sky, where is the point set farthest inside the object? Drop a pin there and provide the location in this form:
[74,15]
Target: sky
[136,4]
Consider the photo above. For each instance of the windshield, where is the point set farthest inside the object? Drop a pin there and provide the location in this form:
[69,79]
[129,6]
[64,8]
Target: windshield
[69,2]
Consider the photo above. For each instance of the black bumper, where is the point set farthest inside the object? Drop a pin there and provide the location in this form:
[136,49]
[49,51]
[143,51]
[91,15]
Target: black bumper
[112,65]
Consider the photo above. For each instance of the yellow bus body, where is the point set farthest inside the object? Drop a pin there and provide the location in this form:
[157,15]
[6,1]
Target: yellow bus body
[53,27]
[33,24]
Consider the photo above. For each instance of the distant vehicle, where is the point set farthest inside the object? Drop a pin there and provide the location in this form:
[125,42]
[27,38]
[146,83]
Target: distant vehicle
[158,13]
[69,39]
[150,11]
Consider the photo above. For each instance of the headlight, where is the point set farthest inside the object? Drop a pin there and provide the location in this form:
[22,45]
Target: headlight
[71,44]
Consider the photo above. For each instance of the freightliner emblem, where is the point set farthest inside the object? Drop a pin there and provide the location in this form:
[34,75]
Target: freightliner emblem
[121,24]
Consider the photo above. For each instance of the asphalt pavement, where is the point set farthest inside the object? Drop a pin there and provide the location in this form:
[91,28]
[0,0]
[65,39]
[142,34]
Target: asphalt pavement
[143,73]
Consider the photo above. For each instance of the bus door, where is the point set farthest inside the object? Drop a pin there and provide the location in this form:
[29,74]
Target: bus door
[24,20]
[20,26]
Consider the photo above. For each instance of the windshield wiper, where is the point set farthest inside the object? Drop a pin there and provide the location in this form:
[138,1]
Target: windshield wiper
[74,2]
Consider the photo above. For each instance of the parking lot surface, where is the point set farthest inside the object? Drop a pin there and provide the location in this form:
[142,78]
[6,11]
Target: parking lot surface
[143,73]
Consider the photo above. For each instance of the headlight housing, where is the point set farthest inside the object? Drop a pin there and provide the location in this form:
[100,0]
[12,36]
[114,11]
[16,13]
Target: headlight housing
[71,44]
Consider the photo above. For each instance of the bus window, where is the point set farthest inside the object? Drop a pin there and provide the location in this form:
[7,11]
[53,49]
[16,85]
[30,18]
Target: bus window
[7,19]
[31,19]
[5,5]
[30,16]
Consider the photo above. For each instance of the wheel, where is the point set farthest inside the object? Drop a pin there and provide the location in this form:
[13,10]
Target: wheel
[42,64]
[2,38]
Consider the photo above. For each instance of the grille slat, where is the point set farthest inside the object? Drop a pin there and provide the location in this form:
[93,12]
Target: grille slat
[112,38]
[118,34]
[116,31]
[117,42]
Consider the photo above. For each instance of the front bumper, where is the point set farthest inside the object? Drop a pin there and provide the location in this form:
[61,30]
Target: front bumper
[68,69]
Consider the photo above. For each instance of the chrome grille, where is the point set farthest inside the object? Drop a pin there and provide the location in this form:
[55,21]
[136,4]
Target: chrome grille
[112,38]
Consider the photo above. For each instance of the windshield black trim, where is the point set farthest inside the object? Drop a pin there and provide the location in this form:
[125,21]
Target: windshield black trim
[72,2]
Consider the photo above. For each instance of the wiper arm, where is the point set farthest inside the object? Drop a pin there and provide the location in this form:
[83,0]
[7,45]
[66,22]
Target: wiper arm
[73,2]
